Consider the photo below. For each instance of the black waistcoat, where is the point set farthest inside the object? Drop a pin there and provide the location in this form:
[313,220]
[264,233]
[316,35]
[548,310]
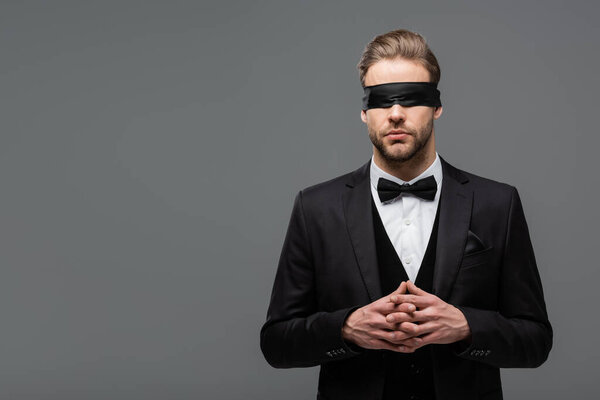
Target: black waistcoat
[407,376]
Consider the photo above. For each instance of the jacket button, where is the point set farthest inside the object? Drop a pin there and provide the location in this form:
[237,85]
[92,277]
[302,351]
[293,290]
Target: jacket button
[415,369]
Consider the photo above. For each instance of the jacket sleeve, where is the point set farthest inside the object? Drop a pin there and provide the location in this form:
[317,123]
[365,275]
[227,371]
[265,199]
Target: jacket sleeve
[518,334]
[296,333]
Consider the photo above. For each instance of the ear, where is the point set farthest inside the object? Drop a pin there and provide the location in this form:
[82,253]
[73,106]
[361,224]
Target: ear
[363,116]
[437,112]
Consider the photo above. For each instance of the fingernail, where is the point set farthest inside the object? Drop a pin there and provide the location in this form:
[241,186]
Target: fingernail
[394,298]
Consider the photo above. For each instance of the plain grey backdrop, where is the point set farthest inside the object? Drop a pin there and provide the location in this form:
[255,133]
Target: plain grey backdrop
[150,153]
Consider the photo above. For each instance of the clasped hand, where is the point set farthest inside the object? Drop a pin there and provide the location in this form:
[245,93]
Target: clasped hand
[405,320]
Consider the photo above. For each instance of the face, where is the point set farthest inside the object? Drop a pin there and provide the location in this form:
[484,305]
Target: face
[400,133]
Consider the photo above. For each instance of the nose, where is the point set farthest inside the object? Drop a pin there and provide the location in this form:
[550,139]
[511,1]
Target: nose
[397,113]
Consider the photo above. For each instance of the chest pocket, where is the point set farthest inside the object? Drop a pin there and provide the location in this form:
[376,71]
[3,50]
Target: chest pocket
[476,258]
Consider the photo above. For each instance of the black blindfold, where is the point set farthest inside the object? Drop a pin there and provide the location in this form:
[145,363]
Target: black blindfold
[406,94]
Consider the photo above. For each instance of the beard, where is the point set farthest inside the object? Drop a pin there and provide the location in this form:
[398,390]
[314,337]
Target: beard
[413,149]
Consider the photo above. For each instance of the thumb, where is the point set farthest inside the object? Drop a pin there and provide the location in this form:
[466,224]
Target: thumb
[401,289]
[412,288]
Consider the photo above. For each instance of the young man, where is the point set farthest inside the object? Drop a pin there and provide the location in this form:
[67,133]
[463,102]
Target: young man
[407,278]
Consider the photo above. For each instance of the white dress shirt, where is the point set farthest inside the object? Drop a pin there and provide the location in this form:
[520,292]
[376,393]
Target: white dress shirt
[408,219]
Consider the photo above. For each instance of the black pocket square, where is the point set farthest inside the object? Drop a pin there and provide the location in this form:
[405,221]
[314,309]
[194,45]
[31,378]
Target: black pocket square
[473,243]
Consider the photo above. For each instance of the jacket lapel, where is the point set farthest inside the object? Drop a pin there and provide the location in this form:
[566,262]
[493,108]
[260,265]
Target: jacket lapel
[456,201]
[359,222]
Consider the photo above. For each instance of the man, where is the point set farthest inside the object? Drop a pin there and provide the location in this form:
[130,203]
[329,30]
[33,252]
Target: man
[407,278]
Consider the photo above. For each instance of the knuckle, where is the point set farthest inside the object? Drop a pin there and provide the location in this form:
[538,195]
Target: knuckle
[433,315]
[398,318]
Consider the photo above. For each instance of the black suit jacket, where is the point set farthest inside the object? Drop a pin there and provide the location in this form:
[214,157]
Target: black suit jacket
[484,265]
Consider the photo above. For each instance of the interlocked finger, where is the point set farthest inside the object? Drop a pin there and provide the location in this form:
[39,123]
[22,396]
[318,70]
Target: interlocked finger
[417,329]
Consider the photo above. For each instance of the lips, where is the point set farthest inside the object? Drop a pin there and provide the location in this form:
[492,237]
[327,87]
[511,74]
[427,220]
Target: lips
[397,134]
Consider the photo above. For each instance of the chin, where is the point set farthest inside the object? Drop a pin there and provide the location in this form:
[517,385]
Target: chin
[394,157]
[401,153]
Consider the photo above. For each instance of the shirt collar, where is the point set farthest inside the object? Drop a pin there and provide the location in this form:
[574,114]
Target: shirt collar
[434,169]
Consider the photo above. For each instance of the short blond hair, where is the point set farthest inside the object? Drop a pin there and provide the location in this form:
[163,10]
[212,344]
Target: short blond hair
[399,44]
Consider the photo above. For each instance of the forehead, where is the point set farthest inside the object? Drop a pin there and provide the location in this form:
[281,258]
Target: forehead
[396,70]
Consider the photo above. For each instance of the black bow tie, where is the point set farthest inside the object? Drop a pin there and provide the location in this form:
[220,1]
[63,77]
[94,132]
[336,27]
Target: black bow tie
[424,188]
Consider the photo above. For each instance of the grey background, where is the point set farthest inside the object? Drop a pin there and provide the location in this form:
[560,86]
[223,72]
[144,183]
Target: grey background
[150,153]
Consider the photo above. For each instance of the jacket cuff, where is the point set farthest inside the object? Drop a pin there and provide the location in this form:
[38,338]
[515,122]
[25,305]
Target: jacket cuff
[475,349]
[338,348]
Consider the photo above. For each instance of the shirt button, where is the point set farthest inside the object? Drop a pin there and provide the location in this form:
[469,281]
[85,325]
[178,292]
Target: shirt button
[407,221]
[408,260]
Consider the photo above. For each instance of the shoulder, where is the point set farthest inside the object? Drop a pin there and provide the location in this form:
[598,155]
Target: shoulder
[326,188]
[327,195]
[335,186]
[487,184]
[492,190]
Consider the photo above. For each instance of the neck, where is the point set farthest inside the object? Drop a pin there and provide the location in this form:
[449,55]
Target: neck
[406,170]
